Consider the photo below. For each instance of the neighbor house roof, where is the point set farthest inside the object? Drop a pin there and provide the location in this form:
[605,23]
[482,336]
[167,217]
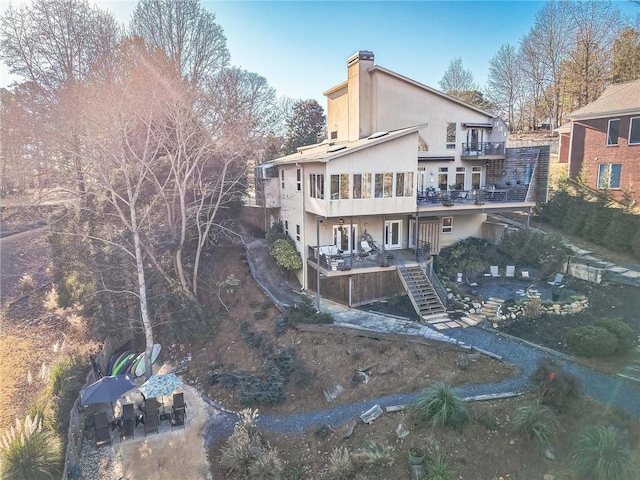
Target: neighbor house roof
[326,151]
[619,99]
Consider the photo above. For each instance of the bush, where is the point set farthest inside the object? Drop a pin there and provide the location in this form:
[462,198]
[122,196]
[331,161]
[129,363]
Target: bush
[305,312]
[537,421]
[621,330]
[29,452]
[553,385]
[27,284]
[286,255]
[275,232]
[439,405]
[377,455]
[437,469]
[267,465]
[602,454]
[591,341]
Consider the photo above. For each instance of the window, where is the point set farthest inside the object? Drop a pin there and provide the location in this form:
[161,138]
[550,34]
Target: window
[476,174]
[460,174]
[451,135]
[609,175]
[340,186]
[298,179]
[334,135]
[286,227]
[298,232]
[634,131]
[408,184]
[612,132]
[443,178]
[316,185]
[362,185]
[399,184]
[282,179]
[447,224]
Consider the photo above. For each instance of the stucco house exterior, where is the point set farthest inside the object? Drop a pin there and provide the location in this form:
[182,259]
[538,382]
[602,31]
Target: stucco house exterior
[602,140]
[405,170]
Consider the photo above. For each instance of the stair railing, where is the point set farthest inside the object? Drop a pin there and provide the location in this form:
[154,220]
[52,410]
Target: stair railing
[426,263]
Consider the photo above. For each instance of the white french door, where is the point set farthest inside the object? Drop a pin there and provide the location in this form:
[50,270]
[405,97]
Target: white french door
[345,238]
[393,234]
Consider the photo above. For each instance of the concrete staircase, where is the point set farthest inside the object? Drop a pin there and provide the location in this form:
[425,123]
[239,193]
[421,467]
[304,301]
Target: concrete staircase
[632,372]
[423,296]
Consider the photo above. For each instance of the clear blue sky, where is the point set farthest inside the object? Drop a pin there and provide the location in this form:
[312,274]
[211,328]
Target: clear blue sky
[301,47]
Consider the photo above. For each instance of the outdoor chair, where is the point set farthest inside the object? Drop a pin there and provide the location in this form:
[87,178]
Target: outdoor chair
[510,271]
[494,271]
[557,282]
[102,430]
[365,247]
[128,421]
[151,423]
[178,410]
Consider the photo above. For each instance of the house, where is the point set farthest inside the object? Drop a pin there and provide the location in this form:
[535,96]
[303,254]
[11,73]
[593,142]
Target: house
[602,140]
[405,170]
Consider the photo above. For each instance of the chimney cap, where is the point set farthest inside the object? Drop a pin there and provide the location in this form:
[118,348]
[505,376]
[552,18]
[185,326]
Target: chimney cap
[360,55]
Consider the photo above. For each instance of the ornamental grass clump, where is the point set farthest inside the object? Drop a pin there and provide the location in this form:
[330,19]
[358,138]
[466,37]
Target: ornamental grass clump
[601,453]
[537,421]
[439,406]
[341,466]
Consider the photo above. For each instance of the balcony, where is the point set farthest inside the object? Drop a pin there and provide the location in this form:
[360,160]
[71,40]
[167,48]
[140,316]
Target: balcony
[476,150]
[472,197]
[331,265]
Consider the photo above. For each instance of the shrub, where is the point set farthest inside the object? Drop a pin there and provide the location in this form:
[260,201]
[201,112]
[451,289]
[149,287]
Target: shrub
[305,312]
[439,405]
[341,465]
[260,314]
[275,232]
[377,455]
[537,421]
[553,385]
[27,284]
[437,469]
[29,452]
[286,255]
[532,308]
[230,284]
[622,331]
[591,341]
[602,454]
[267,465]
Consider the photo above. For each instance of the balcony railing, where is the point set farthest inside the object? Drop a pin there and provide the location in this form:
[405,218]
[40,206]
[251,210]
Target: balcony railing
[346,261]
[471,197]
[479,149]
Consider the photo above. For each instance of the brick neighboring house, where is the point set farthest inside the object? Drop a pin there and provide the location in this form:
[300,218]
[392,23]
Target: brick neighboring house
[602,140]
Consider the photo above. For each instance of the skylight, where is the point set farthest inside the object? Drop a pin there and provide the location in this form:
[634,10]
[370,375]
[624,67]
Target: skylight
[336,148]
[377,135]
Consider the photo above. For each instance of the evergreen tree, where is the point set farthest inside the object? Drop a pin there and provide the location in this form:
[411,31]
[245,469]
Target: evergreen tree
[626,56]
[307,122]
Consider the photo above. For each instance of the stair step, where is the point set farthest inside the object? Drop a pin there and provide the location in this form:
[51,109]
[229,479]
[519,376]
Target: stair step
[469,321]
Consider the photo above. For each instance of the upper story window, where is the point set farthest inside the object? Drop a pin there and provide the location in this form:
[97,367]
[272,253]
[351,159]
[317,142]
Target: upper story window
[383,185]
[361,185]
[451,135]
[316,185]
[340,186]
[298,179]
[298,232]
[634,131]
[612,132]
[447,224]
[282,179]
[609,175]
[333,135]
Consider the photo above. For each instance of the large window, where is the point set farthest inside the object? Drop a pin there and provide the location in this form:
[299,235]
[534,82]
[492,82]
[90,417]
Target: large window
[399,184]
[447,224]
[476,176]
[461,172]
[634,131]
[340,186]
[298,179]
[362,185]
[383,185]
[282,179]
[316,185]
[408,184]
[612,132]
[609,175]
[451,135]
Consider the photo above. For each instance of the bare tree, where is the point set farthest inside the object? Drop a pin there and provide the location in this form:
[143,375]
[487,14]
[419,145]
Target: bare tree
[456,78]
[186,32]
[504,83]
[534,77]
[626,56]
[596,26]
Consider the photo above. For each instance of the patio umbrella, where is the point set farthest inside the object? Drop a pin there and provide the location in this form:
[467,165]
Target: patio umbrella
[160,385]
[107,389]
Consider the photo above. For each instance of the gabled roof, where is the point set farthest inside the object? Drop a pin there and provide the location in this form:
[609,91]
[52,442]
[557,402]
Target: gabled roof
[619,99]
[417,84]
[326,151]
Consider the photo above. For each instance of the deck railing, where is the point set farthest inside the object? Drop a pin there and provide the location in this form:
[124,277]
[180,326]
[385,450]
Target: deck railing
[346,261]
[478,149]
[469,197]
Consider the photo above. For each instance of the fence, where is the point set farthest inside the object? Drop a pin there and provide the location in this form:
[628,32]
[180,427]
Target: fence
[76,418]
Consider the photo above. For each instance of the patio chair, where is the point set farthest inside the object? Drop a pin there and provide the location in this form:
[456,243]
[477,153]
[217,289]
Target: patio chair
[151,423]
[128,421]
[510,271]
[102,430]
[557,282]
[365,247]
[494,271]
[178,410]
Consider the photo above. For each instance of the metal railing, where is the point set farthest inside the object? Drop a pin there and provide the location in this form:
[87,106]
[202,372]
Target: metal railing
[478,149]
[375,258]
[426,263]
[470,197]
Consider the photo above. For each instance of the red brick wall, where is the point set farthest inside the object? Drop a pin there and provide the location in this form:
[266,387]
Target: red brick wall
[563,153]
[589,148]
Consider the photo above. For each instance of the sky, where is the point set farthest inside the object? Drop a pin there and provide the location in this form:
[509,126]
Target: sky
[301,47]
